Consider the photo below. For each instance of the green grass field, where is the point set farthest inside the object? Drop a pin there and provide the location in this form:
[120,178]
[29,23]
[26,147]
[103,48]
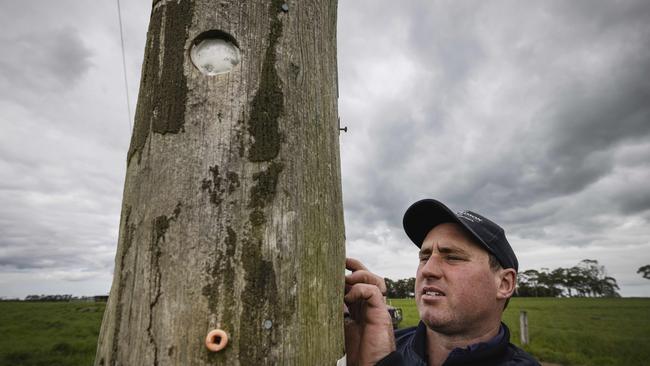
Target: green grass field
[575,331]
[571,332]
[49,333]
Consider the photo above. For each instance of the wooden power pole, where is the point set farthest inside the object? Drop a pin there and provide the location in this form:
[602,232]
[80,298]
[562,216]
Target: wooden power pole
[232,215]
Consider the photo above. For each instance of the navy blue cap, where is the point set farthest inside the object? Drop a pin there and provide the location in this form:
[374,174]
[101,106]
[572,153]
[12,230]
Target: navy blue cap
[426,214]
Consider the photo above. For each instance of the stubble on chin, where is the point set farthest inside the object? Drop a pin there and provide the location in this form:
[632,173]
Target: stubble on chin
[434,319]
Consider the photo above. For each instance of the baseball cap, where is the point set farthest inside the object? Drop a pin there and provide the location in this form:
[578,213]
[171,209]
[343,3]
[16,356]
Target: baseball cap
[426,214]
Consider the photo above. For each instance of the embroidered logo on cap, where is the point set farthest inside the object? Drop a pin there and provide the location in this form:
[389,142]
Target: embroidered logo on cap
[469,216]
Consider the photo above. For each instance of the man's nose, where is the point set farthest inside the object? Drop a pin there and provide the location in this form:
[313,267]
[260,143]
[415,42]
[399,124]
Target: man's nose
[432,268]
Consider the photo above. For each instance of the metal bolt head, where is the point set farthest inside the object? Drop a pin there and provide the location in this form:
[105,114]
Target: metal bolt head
[268,324]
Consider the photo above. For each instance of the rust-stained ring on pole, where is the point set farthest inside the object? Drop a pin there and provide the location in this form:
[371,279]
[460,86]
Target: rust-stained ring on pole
[216,340]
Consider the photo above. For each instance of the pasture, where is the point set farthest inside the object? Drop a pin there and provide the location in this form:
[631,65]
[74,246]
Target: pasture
[49,333]
[575,331]
[570,332]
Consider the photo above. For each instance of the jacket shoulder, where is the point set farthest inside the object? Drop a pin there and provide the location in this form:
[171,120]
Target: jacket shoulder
[404,337]
[409,345]
[405,332]
[519,357]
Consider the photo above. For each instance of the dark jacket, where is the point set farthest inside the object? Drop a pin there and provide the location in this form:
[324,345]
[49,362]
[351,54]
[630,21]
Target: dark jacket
[411,350]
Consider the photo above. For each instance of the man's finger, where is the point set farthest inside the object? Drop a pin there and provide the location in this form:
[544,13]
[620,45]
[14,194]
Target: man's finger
[363,291]
[354,265]
[363,276]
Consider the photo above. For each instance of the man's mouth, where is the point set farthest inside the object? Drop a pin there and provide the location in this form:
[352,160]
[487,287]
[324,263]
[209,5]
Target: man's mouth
[432,292]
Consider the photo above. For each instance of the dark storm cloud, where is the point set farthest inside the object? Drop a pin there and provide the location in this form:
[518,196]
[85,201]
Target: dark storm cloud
[33,260]
[635,200]
[444,39]
[41,54]
[39,60]
[376,189]
[579,84]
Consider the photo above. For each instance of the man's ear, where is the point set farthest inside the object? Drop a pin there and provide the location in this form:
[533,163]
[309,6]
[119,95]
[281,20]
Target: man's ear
[506,283]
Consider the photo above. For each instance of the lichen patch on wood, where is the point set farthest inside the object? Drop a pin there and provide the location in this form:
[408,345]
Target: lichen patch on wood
[233,181]
[262,193]
[265,187]
[159,229]
[222,273]
[163,83]
[260,295]
[268,103]
[259,300]
[214,187]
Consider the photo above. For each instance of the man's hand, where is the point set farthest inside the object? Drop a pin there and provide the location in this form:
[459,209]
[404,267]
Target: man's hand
[368,329]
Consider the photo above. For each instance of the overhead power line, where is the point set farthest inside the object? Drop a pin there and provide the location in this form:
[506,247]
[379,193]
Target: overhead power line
[126,83]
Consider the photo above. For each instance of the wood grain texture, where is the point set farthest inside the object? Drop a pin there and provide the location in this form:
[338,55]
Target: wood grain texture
[232,210]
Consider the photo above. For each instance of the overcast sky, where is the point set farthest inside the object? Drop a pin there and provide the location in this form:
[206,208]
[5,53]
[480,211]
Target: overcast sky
[535,114]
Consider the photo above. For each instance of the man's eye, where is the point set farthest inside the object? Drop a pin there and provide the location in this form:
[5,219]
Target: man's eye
[424,259]
[454,258]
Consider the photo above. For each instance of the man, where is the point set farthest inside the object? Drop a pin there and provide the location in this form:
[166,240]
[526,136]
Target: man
[466,275]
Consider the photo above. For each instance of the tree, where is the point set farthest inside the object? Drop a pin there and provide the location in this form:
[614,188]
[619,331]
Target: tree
[232,214]
[391,292]
[405,287]
[401,289]
[410,287]
[527,283]
[547,284]
[645,271]
[588,278]
[593,280]
[609,287]
[572,279]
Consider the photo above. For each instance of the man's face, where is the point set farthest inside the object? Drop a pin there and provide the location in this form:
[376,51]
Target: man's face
[455,289]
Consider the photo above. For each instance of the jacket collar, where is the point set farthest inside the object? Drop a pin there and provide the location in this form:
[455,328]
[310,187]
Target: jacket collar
[478,351]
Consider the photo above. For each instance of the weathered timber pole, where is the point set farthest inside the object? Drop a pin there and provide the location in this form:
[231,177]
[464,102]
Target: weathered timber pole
[232,215]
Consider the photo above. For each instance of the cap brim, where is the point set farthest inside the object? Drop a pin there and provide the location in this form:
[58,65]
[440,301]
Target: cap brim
[426,214]
[423,216]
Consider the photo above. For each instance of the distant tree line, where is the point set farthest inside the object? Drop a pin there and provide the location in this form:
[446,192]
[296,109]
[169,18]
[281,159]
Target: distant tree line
[48,298]
[98,298]
[586,279]
[400,289]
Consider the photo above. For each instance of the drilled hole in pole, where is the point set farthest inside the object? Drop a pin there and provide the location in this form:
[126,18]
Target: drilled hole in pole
[215,52]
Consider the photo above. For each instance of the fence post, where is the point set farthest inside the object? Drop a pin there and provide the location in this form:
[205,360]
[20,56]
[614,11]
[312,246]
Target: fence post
[523,327]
